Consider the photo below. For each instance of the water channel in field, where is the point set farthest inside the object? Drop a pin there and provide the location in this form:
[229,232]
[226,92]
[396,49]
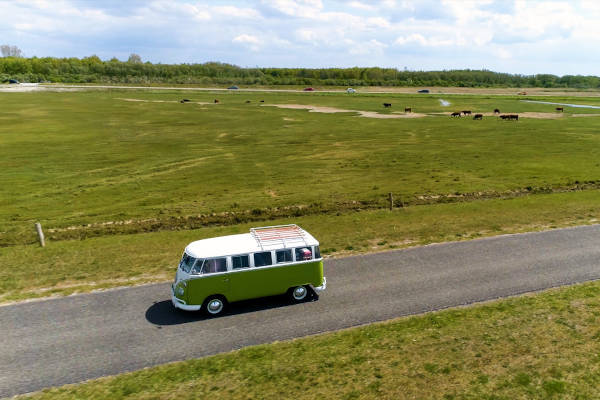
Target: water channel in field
[562,104]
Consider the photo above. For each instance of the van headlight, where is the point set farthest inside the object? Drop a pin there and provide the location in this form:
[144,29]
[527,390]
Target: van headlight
[180,289]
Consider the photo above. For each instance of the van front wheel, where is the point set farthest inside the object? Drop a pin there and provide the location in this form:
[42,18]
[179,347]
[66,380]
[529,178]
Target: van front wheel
[299,293]
[214,305]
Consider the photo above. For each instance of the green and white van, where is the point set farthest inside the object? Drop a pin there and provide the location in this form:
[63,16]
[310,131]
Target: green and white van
[265,262]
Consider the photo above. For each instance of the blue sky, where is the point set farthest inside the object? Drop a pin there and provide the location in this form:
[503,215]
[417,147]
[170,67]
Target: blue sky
[515,36]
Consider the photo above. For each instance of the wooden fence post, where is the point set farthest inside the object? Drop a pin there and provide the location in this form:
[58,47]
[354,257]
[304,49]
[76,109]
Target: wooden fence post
[391,201]
[38,228]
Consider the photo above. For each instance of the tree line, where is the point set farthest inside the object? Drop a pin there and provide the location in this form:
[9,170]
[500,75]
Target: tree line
[134,71]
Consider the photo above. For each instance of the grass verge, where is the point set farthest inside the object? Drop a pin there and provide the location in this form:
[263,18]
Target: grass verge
[66,267]
[543,346]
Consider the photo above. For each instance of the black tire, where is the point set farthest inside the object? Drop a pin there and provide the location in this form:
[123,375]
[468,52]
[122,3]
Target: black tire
[299,294]
[214,306]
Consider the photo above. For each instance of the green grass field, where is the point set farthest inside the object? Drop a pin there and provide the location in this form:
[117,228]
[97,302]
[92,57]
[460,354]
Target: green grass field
[146,177]
[77,158]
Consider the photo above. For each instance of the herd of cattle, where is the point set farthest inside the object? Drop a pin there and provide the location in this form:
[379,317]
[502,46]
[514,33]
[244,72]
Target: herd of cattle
[509,117]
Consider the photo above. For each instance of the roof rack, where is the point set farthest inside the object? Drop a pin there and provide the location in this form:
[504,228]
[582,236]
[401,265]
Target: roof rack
[287,235]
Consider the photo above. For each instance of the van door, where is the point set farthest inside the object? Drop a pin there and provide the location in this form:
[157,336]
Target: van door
[213,279]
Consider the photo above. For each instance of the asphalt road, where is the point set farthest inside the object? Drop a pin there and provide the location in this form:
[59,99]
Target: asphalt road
[68,340]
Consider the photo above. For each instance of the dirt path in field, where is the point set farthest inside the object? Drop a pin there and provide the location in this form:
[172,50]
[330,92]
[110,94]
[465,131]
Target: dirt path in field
[330,110]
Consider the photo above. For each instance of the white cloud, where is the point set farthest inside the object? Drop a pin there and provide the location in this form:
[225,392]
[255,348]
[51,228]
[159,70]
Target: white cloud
[417,38]
[306,35]
[236,12]
[296,8]
[252,42]
[371,47]
[362,6]
[246,39]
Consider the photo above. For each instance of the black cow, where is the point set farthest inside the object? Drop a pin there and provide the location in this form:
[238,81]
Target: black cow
[407,110]
[478,116]
[387,105]
[466,112]
[496,111]
[455,114]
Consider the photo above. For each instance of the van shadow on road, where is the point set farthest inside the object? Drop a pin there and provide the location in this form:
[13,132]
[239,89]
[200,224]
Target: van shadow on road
[163,312]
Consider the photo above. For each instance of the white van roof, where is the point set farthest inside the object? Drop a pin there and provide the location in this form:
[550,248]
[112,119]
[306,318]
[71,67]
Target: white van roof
[259,239]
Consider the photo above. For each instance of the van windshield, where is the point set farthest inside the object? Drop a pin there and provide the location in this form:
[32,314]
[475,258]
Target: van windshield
[187,262]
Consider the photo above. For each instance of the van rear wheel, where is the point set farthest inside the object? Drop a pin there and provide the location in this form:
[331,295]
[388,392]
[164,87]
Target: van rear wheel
[214,305]
[299,293]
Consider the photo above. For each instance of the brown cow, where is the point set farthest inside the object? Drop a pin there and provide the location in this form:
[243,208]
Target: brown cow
[216,101]
[478,116]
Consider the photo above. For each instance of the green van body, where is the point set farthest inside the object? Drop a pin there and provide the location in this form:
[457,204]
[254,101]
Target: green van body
[251,283]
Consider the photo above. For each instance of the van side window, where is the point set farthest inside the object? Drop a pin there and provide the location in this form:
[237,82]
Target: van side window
[262,259]
[214,265]
[240,262]
[317,252]
[284,256]
[303,254]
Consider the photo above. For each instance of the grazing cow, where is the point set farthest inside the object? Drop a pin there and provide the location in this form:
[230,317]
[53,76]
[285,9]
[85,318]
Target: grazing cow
[510,117]
[407,110]
[262,101]
[466,112]
[216,101]
[185,100]
[496,111]
[387,105]
[455,114]
[478,116]
[247,101]
[561,109]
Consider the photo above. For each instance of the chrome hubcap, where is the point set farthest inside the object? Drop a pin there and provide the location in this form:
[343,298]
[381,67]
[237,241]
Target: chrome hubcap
[215,306]
[299,293]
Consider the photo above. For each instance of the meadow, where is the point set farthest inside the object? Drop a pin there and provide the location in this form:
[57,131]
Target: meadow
[73,159]
[111,178]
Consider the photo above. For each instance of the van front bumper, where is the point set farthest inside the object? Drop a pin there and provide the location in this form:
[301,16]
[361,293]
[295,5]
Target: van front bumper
[178,303]
[319,289]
